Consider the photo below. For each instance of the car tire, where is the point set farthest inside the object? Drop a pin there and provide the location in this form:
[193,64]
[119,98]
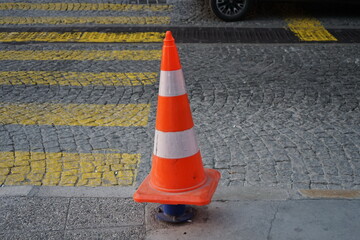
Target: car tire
[230,10]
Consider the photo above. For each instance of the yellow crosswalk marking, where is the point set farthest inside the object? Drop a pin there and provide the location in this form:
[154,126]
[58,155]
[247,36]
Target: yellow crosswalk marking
[123,115]
[68,169]
[85,20]
[82,55]
[81,37]
[76,78]
[83,7]
[309,29]
[304,27]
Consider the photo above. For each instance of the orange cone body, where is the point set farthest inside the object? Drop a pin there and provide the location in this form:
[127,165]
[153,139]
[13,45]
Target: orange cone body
[177,175]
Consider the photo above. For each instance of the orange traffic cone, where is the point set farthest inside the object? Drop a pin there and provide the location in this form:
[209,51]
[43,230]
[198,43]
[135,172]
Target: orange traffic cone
[177,175]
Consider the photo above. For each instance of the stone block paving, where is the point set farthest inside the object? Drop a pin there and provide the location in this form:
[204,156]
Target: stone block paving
[90,13]
[278,115]
[65,127]
[67,169]
[266,115]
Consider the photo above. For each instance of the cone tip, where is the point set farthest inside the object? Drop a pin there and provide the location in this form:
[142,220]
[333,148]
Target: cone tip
[168,36]
[169,39]
[170,58]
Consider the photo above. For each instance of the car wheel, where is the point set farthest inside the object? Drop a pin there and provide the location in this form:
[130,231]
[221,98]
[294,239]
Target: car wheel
[230,10]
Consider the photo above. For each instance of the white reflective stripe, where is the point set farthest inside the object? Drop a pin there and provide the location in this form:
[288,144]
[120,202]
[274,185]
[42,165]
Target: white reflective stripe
[172,83]
[175,144]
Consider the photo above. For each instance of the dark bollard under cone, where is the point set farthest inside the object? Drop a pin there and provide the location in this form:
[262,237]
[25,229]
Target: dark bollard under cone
[175,213]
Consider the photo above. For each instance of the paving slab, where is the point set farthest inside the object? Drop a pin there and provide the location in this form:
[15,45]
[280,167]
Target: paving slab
[260,220]
[321,219]
[32,214]
[118,192]
[136,232]
[104,213]
[235,213]
[71,218]
[43,235]
[219,220]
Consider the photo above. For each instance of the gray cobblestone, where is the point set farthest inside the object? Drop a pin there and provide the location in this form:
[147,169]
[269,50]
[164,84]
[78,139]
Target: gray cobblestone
[265,116]
[294,128]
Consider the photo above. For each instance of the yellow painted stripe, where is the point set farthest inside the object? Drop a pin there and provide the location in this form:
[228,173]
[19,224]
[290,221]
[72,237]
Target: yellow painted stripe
[76,78]
[304,27]
[80,55]
[81,37]
[83,7]
[309,29]
[68,169]
[84,20]
[124,115]
[325,193]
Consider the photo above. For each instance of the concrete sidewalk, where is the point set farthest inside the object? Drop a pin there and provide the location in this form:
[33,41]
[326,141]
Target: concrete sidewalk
[30,212]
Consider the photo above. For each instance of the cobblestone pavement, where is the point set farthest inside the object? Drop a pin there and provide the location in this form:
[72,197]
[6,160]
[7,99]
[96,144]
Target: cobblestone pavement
[286,116]
[266,115]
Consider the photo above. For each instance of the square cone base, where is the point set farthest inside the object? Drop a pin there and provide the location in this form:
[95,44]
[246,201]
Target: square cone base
[199,196]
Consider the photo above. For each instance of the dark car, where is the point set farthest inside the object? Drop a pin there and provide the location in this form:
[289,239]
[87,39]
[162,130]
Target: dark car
[231,10]
[234,10]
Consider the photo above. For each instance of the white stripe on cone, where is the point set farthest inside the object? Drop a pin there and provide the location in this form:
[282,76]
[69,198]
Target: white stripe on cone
[172,83]
[175,145]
